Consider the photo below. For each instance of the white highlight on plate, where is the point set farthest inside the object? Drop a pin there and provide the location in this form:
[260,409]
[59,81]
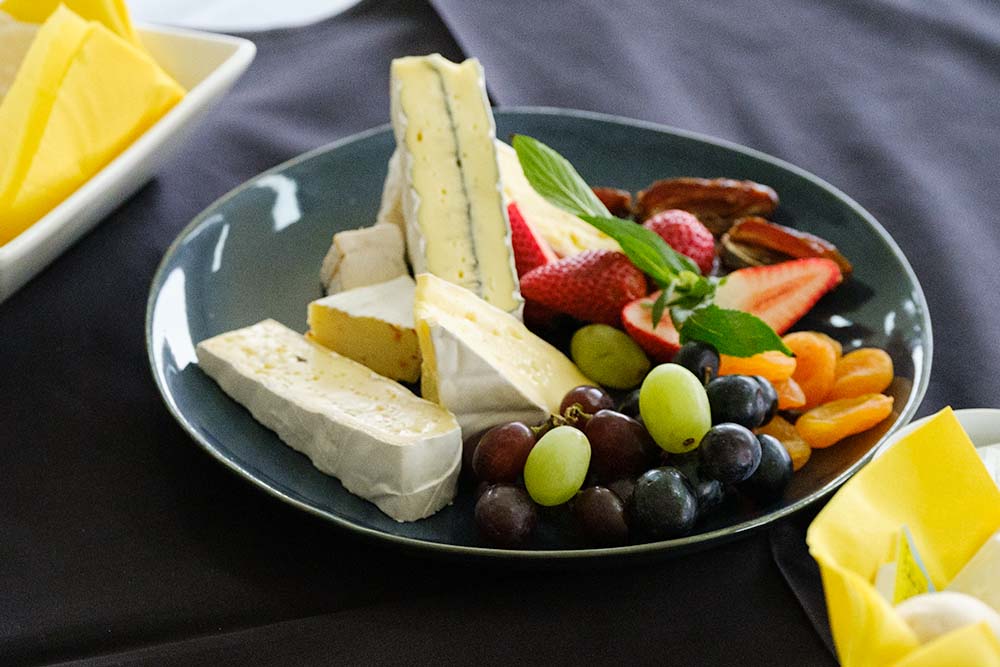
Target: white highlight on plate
[286,209]
[170,323]
[890,322]
[219,247]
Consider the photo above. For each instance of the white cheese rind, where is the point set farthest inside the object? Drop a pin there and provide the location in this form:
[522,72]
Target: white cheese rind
[480,396]
[453,204]
[362,257]
[384,444]
[390,211]
[483,364]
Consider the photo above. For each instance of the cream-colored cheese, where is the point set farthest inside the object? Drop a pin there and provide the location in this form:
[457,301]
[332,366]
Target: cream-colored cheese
[482,363]
[361,257]
[456,217]
[372,325]
[566,233]
[384,444]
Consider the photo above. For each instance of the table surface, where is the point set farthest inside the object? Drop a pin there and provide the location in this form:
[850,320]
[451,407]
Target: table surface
[124,542]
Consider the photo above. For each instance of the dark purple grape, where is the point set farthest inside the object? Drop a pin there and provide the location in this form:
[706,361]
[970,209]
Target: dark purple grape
[709,492]
[590,399]
[736,399]
[502,451]
[600,516]
[702,359]
[505,516]
[663,505]
[769,398]
[729,453]
[619,445]
[624,488]
[629,406]
[768,482]
[480,489]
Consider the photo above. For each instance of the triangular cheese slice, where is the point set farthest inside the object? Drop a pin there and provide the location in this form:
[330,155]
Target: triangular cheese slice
[482,363]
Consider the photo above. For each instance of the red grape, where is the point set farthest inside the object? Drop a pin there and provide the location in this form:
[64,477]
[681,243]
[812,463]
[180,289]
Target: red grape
[502,451]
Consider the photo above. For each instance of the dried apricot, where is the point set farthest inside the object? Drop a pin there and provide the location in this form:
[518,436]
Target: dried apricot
[790,396]
[815,364]
[833,421]
[837,347]
[785,432]
[865,371]
[772,365]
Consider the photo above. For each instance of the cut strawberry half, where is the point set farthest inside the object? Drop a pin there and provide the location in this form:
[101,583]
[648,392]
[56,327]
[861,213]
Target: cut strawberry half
[661,343]
[530,249]
[780,294]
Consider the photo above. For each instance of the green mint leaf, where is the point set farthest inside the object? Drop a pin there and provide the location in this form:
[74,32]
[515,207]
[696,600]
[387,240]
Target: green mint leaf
[637,244]
[658,307]
[732,332]
[692,291]
[647,250]
[553,177]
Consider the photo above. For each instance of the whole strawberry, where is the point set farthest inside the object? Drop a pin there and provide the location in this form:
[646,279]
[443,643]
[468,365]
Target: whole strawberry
[592,286]
[684,233]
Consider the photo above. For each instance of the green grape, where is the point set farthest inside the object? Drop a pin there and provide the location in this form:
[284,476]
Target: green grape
[608,356]
[557,466]
[674,407]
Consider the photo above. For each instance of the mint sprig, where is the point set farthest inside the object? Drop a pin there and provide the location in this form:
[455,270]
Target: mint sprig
[687,293]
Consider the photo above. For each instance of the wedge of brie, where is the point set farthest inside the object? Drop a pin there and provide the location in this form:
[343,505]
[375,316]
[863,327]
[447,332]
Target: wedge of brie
[384,444]
[361,257]
[482,363]
[372,325]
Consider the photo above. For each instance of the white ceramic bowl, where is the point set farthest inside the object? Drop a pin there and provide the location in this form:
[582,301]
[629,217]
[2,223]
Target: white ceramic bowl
[207,65]
[981,424]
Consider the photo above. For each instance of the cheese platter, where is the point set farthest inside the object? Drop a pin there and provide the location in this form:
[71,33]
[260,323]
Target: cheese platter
[398,296]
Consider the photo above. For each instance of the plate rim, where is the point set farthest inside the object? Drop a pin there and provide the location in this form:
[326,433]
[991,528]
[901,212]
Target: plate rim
[663,547]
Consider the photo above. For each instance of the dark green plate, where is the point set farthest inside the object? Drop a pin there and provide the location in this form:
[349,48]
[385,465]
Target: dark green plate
[256,253]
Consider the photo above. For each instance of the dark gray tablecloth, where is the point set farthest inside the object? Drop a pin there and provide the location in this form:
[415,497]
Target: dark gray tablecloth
[120,538]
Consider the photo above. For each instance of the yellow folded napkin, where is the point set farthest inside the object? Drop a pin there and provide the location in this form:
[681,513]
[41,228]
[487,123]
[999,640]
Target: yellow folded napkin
[934,483]
[112,13]
[81,95]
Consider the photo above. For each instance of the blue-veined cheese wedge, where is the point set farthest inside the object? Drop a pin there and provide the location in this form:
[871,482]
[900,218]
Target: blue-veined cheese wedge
[453,204]
[384,444]
[482,363]
[566,233]
[372,325]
